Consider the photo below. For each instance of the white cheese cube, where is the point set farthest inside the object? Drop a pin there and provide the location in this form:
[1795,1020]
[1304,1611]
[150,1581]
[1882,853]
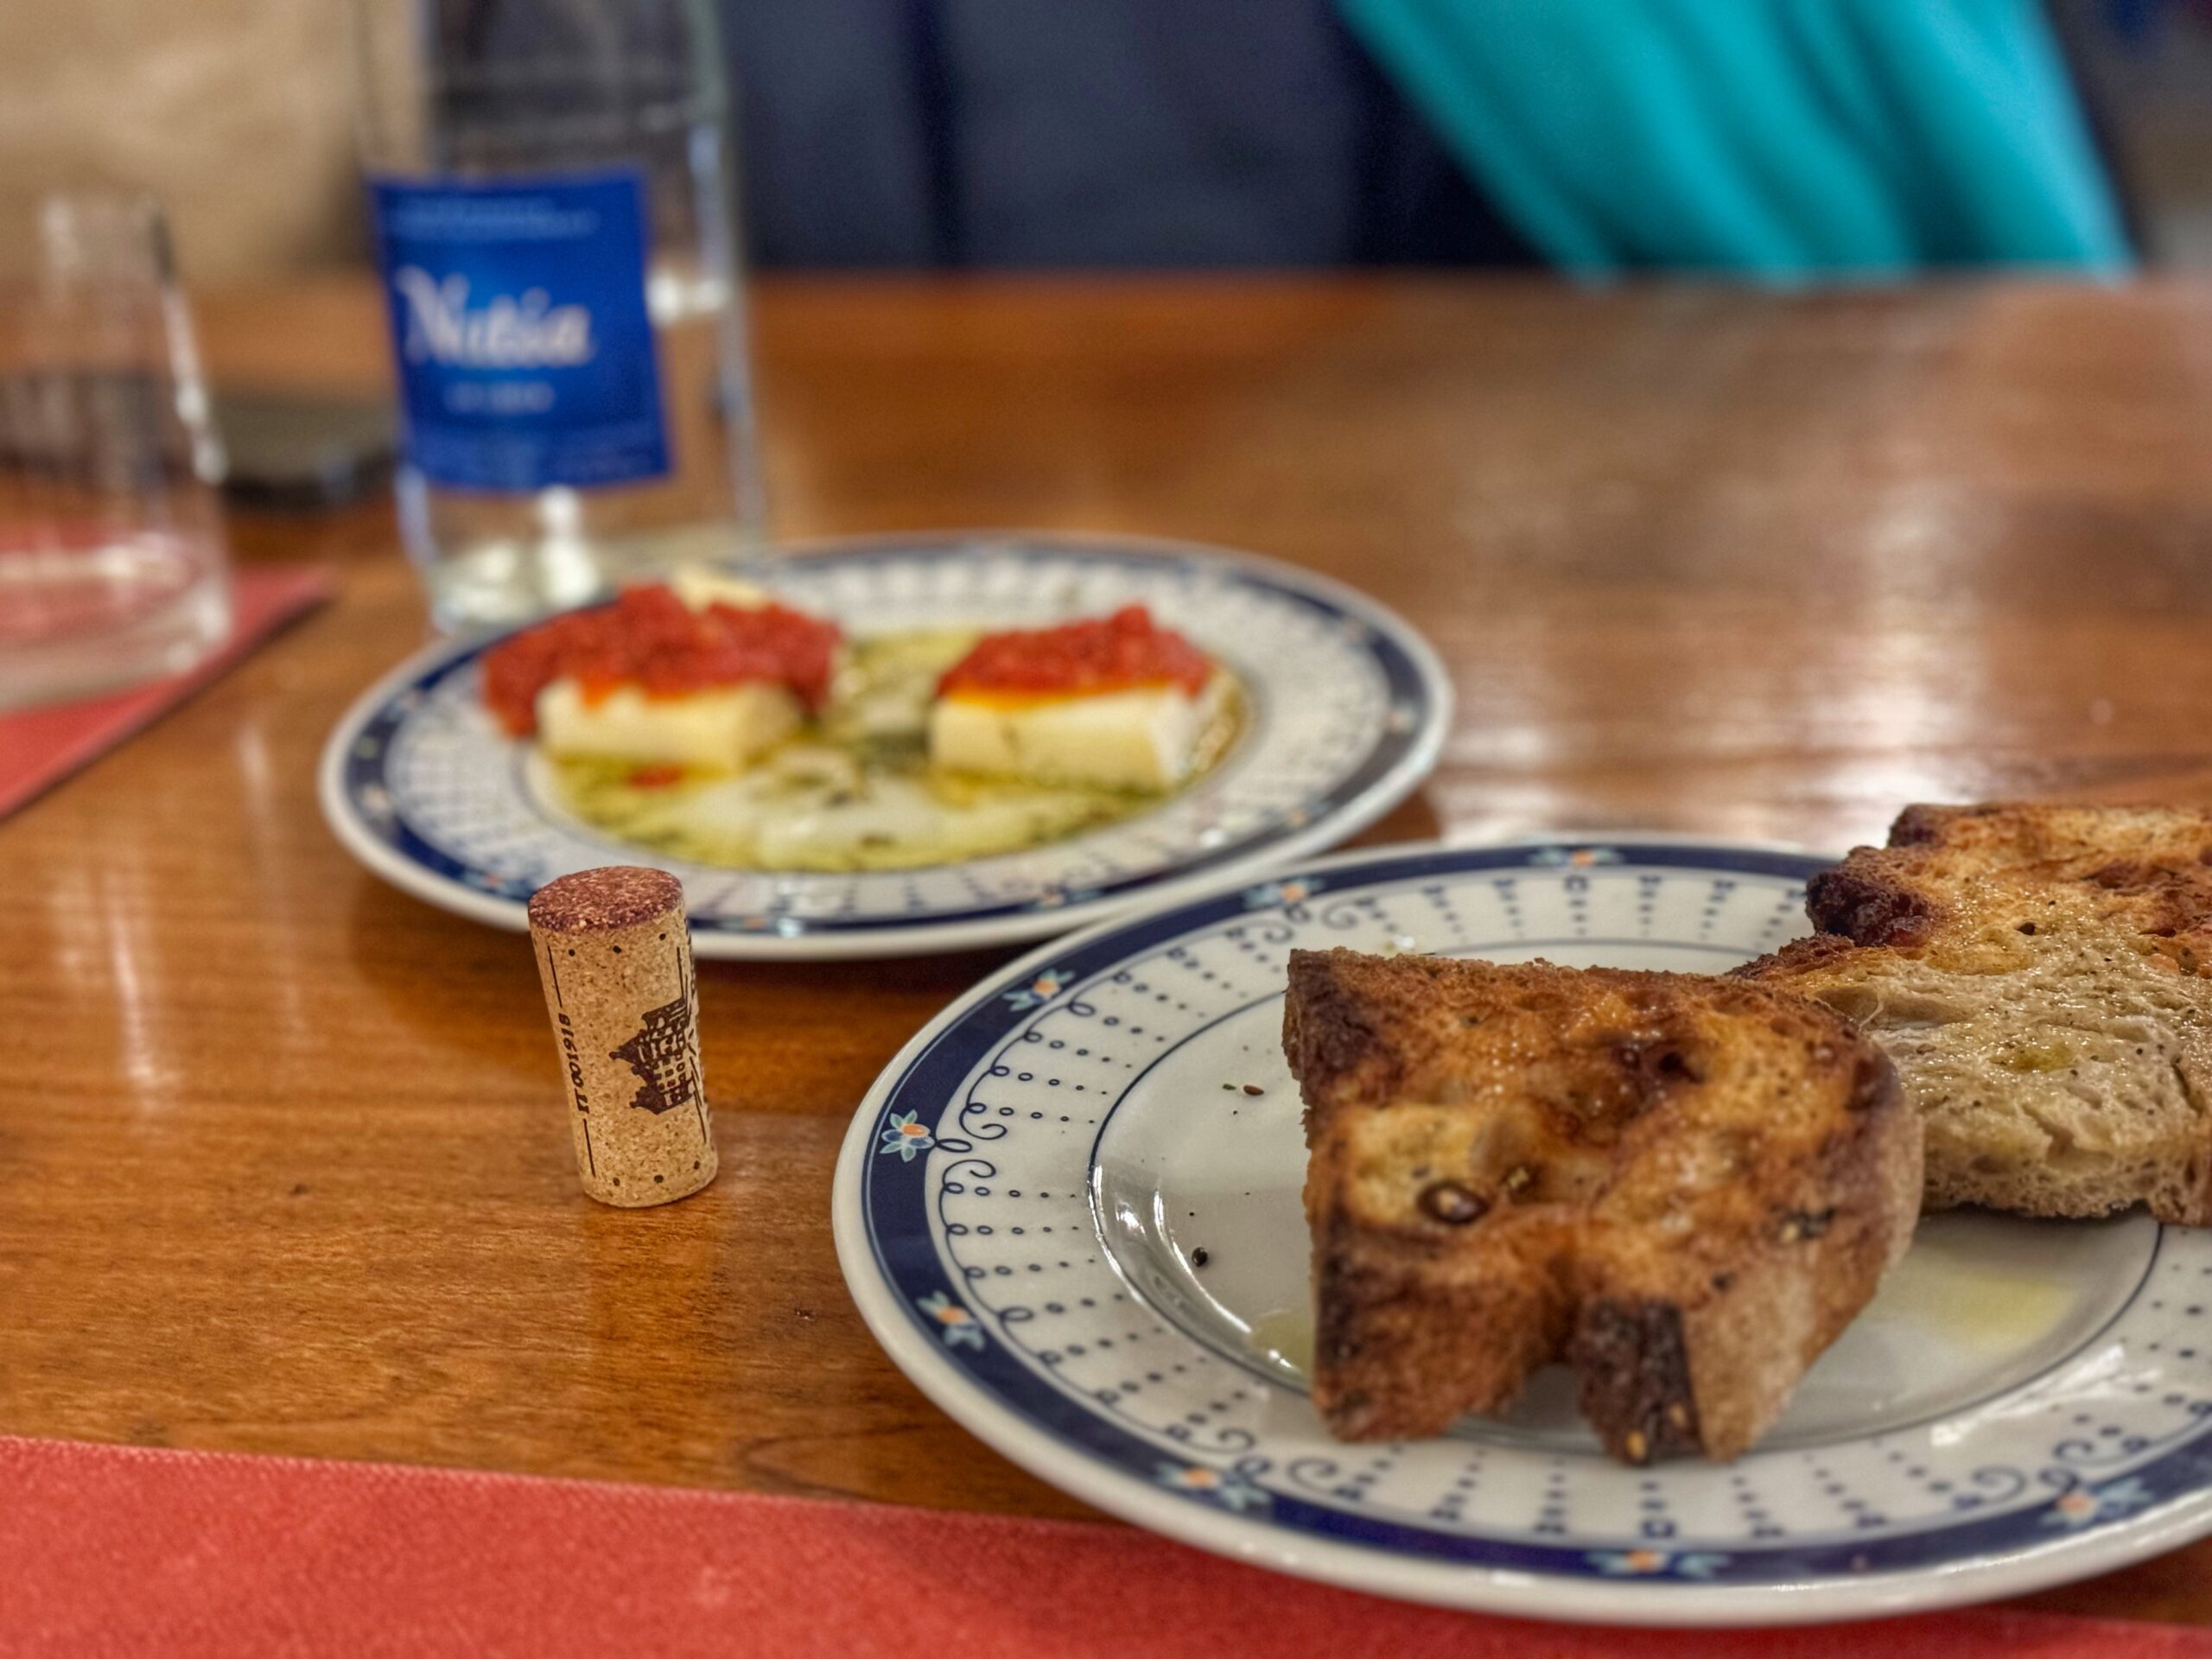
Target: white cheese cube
[1148,738]
[724,726]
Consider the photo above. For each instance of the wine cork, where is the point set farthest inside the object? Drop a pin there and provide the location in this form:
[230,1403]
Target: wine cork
[615,955]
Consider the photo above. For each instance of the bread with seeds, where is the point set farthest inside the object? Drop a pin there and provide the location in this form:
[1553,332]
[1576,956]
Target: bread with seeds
[1684,1186]
[2042,976]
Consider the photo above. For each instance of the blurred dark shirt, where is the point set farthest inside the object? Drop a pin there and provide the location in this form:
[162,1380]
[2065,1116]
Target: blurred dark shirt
[1085,133]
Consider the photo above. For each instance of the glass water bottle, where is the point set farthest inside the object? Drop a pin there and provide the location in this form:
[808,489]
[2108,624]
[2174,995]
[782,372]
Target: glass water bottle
[551,188]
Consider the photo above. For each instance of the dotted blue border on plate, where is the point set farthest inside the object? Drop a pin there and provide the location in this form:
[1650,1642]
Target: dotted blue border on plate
[368,794]
[895,1211]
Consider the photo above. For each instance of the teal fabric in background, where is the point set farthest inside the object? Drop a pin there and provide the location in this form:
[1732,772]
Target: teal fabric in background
[1784,140]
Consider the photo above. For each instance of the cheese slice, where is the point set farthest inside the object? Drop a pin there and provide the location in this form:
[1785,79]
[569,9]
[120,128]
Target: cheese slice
[1146,737]
[724,726]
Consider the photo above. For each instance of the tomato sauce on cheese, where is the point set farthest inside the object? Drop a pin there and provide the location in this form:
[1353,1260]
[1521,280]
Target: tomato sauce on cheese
[1118,652]
[650,638]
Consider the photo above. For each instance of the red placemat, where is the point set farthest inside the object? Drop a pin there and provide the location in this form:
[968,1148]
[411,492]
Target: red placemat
[40,747]
[116,1550]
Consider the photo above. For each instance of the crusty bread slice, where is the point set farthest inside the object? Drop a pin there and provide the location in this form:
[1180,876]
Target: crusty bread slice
[2042,975]
[1685,1186]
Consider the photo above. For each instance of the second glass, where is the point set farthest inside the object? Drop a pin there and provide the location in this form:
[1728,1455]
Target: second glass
[551,182]
[111,560]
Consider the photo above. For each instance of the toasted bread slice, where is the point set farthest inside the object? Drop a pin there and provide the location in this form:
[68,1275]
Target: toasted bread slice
[1685,1186]
[2043,977]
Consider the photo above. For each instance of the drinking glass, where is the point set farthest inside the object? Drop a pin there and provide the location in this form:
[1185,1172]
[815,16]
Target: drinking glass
[111,560]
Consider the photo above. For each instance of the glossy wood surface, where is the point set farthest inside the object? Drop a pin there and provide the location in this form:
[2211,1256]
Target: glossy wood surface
[282,1165]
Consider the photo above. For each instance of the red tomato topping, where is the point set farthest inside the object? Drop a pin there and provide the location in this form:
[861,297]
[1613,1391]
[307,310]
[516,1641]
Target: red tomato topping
[652,640]
[1100,653]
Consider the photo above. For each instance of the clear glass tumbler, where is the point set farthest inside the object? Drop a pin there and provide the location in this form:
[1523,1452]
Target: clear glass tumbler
[111,560]
[551,185]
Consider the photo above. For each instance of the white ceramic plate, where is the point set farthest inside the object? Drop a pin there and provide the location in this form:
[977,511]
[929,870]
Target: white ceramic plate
[1348,709]
[1022,1204]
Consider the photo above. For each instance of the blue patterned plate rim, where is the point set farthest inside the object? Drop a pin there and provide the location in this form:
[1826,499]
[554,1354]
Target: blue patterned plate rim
[352,778]
[913,1305]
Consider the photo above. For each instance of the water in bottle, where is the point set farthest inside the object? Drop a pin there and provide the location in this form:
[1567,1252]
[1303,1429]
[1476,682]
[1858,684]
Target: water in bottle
[550,182]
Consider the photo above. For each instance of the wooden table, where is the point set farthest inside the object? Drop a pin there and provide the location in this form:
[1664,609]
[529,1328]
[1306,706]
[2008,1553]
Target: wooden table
[282,1166]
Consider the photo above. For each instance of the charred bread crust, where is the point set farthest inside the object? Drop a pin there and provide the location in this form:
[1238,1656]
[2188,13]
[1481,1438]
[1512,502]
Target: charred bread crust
[1329,1031]
[1868,907]
[1390,1345]
[1558,1239]
[1634,1369]
[2146,869]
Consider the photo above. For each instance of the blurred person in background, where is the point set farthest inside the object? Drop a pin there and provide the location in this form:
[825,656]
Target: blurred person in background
[1778,139]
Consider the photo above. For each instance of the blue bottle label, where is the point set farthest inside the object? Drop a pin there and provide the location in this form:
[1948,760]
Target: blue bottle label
[518,322]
